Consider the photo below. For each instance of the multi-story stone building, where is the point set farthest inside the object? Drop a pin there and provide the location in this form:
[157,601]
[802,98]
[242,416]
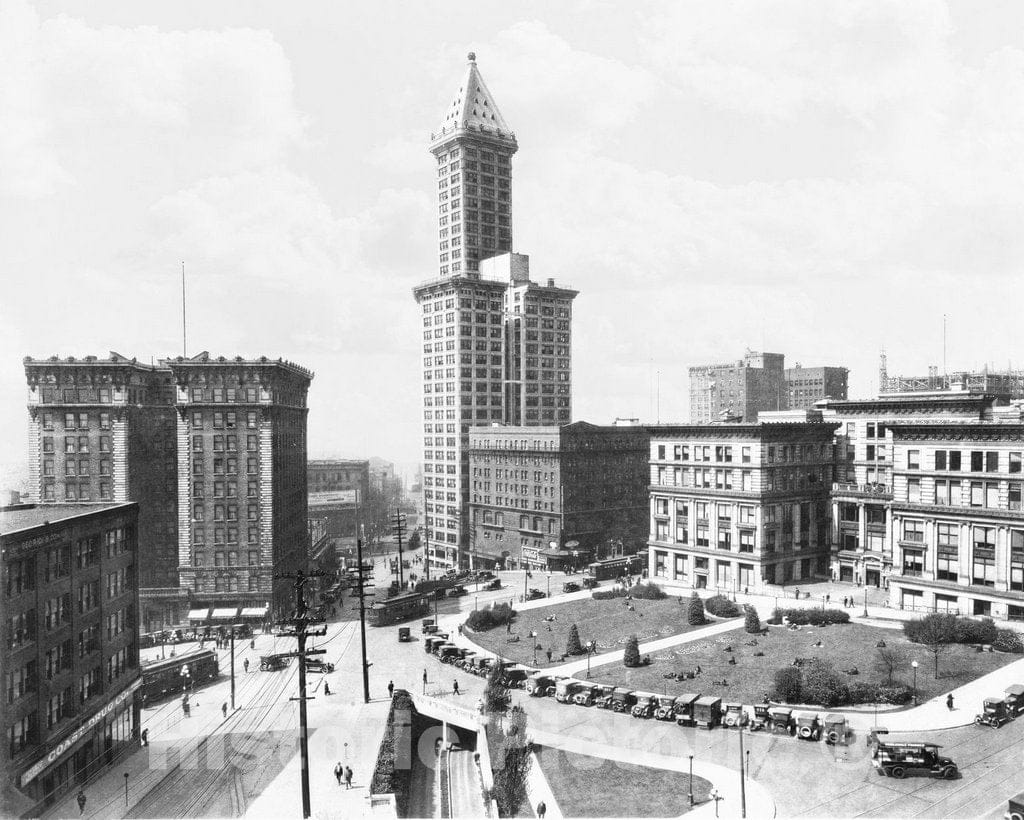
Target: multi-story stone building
[241,479]
[69,658]
[739,389]
[103,430]
[806,386]
[958,521]
[553,496]
[496,346]
[862,542]
[740,506]
[339,474]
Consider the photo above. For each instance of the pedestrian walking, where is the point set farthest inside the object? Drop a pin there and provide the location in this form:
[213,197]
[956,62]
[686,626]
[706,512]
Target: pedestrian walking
[81,801]
[224,710]
[144,737]
[252,644]
[338,772]
[327,687]
[796,593]
[348,777]
[541,809]
[455,687]
[949,701]
[424,681]
[391,689]
[245,665]
[828,597]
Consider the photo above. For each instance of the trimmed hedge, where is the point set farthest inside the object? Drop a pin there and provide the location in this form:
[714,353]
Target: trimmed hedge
[481,620]
[864,692]
[941,627]
[823,685]
[1008,641]
[647,591]
[721,607]
[788,684]
[388,777]
[610,592]
[815,617]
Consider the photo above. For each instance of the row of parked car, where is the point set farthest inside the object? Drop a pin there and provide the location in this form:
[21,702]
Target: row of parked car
[436,643]
[996,711]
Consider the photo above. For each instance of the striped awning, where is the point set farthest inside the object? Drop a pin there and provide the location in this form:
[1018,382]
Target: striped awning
[224,613]
[198,614]
[254,612]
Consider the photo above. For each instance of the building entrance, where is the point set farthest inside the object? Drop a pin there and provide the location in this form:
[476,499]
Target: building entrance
[846,573]
[873,578]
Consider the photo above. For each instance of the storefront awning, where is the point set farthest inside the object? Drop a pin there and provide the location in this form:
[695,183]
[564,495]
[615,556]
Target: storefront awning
[224,613]
[254,612]
[198,614]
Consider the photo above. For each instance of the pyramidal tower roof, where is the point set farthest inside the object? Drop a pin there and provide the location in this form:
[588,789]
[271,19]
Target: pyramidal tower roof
[473,109]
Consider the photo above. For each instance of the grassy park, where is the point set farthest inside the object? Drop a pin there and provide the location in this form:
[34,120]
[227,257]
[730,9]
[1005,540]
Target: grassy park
[846,646]
[594,787]
[608,622]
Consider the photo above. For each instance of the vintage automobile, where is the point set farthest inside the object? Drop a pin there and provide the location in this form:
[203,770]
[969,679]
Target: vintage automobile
[493,584]
[515,677]
[429,625]
[782,720]
[566,688]
[645,705]
[1015,808]
[836,729]
[482,667]
[995,712]
[622,699]
[707,712]
[735,716]
[431,641]
[1015,698]
[404,634]
[538,683]
[456,591]
[272,663]
[466,661]
[585,694]
[665,708]
[590,583]
[534,594]
[484,575]
[876,735]
[760,719]
[570,586]
[317,665]
[682,708]
[447,652]
[808,726]
[901,759]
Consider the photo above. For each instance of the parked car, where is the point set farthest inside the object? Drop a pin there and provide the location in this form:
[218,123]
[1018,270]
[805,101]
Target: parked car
[538,684]
[995,712]
[901,759]
[534,594]
[782,720]
[622,699]
[590,583]
[808,727]
[735,716]
[515,676]
[707,712]
[494,584]
[585,694]
[404,634]
[428,625]
[876,735]
[1015,808]
[665,708]
[484,575]
[836,729]
[570,586]
[761,719]
[645,705]
[682,708]
[272,663]
[456,591]
[318,665]
[1015,698]
[566,688]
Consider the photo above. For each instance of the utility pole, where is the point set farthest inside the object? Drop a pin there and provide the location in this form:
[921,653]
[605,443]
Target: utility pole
[399,526]
[743,785]
[361,594]
[298,626]
[233,667]
[426,550]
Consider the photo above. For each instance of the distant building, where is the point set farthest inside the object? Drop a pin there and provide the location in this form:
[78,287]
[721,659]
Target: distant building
[737,507]
[1004,384]
[739,389]
[807,385]
[70,652]
[554,497]
[333,475]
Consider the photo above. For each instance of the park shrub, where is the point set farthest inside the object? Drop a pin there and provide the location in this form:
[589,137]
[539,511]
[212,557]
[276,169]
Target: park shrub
[863,692]
[631,656]
[611,592]
[572,643]
[1007,640]
[647,591]
[816,617]
[777,616]
[487,618]
[695,611]
[721,607]
[942,628]
[788,684]
[389,775]
[823,685]
[972,631]
[751,621]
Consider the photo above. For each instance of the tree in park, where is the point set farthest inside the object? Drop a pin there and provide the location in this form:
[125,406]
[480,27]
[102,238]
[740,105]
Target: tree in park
[631,656]
[496,697]
[788,684]
[695,614]
[572,643]
[936,635]
[511,764]
[890,659]
[751,622]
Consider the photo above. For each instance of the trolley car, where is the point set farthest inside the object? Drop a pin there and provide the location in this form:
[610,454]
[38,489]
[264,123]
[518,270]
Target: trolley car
[165,678]
[399,608]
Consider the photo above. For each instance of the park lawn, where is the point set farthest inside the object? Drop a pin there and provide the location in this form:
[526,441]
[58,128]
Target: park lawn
[594,787]
[609,622]
[845,645]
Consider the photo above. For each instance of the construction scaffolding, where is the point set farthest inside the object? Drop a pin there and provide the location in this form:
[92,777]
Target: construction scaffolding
[1004,383]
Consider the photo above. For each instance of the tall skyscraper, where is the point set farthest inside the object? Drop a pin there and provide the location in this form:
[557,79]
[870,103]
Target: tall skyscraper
[496,346]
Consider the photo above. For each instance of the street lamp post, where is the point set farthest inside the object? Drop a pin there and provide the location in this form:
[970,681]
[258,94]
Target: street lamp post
[716,797]
[533,640]
[743,775]
[690,795]
[590,651]
[914,665]
[865,602]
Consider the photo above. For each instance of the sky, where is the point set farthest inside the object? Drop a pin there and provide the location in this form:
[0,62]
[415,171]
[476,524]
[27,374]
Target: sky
[823,180]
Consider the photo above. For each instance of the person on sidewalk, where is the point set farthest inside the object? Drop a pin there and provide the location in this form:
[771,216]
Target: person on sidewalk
[327,687]
[391,689]
[144,737]
[245,665]
[541,810]
[455,687]
[949,701]
[348,777]
[224,710]
[796,593]
[424,681]
[338,772]
[81,801]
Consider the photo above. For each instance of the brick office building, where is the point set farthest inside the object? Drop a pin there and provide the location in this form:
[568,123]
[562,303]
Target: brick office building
[69,608]
[339,474]
[806,386]
[540,494]
[737,506]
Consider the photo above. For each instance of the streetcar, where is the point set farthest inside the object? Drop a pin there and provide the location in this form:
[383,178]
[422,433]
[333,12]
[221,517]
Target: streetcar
[165,678]
[399,608]
[616,567]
